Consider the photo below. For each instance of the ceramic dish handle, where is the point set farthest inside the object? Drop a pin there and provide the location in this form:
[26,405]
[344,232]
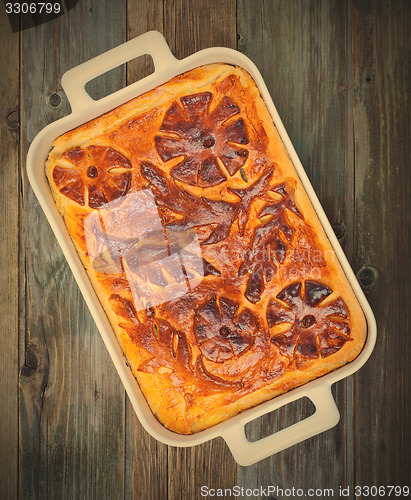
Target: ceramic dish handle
[247,452]
[74,80]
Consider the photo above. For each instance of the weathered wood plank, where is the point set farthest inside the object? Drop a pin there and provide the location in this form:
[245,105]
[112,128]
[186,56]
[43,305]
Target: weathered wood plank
[148,462]
[381,71]
[71,400]
[142,16]
[301,50]
[146,472]
[79,436]
[190,26]
[9,252]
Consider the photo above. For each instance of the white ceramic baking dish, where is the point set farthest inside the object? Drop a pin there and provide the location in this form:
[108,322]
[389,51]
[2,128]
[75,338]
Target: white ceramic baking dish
[84,108]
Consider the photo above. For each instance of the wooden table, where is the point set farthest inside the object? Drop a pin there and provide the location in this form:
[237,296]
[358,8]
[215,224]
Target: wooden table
[339,73]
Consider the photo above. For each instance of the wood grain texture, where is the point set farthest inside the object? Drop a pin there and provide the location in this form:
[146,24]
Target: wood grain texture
[339,74]
[146,474]
[71,399]
[9,251]
[154,470]
[142,16]
[190,26]
[382,71]
[301,51]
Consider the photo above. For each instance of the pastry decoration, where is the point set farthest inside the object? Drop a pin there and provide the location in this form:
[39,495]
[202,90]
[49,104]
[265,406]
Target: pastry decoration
[196,212]
[95,175]
[222,331]
[270,241]
[203,138]
[316,329]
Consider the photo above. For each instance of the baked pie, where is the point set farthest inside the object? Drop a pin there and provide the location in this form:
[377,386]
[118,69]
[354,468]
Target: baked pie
[204,248]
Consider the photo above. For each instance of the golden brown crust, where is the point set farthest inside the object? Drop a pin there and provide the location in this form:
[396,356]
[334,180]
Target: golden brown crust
[195,172]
